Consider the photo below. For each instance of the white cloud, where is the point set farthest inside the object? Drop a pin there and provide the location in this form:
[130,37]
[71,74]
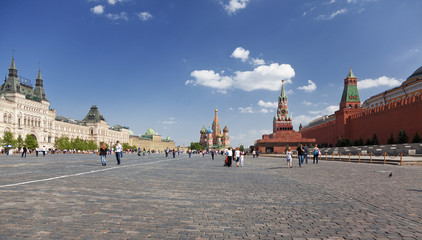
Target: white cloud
[327,111]
[112,2]
[307,103]
[303,119]
[240,53]
[306,12]
[265,77]
[332,15]
[309,88]
[264,110]
[381,81]
[267,104]
[209,78]
[257,61]
[117,16]
[246,110]
[144,16]
[99,9]
[234,5]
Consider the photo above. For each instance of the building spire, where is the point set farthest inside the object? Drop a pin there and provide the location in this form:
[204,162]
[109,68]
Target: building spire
[216,116]
[350,75]
[283,93]
[13,72]
[39,74]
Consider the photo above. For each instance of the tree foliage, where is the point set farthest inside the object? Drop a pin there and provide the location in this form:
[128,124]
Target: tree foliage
[402,138]
[391,139]
[8,139]
[196,146]
[375,139]
[242,148]
[416,138]
[19,143]
[78,144]
[30,141]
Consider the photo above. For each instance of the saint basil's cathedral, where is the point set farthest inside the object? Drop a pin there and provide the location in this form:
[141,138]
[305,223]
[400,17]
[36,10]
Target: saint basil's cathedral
[212,138]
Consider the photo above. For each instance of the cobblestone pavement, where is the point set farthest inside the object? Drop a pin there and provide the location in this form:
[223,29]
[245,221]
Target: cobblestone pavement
[153,197]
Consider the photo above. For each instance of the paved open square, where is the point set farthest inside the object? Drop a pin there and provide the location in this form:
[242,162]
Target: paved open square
[73,197]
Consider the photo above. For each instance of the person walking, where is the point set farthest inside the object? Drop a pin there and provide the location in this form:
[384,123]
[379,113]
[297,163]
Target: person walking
[289,158]
[103,153]
[316,154]
[237,156]
[253,153]
[43,151]
[229,157]
[242,156]
[174,153]
[305,153]
[300,154]
[190,153]
[118,152]
[24,150]
[212,154]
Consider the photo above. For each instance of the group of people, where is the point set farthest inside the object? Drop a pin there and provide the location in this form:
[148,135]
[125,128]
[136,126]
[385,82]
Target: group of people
[103,153]
[236,155]
[302,155]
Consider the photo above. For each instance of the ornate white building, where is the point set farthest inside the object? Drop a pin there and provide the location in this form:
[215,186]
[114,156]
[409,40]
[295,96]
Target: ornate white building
[26,110]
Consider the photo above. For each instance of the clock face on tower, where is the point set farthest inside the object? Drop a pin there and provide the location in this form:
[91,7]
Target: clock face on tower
[283,111]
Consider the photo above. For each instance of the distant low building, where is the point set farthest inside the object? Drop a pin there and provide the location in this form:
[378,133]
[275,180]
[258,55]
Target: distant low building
[151,141]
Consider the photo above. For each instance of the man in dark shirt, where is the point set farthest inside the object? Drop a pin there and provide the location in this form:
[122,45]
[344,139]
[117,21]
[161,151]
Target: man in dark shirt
[300,154]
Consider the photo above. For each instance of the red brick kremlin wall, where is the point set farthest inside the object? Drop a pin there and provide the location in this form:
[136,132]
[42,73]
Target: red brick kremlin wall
[384,120]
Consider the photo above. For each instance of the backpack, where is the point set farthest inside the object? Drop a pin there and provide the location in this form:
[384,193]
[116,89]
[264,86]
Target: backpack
[315,151]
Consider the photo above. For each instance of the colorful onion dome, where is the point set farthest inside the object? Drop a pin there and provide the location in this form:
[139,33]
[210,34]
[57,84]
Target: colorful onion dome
[209,130]
[225,129]
[203,130]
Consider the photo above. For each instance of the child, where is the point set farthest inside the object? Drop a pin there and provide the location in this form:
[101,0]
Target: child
[289,158]
[242,156]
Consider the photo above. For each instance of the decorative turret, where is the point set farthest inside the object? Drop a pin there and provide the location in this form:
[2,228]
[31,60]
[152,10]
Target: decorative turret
[39,87]
[13,72]
[350,98]
[226,129]
[11,84]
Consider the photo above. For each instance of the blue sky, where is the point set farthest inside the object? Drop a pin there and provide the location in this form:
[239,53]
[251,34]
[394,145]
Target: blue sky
[168,64]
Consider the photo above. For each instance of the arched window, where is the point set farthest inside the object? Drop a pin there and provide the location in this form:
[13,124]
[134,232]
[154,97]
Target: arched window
[10,118]
[5,118]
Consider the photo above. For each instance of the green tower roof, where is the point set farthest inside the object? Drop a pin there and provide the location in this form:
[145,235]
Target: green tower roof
[93,115]
[350,75]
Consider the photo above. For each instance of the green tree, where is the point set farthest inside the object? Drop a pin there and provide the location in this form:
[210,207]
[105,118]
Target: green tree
[391,139]
[92,145]
[30,141]
[8,139]
[368,142]
[375,139]
[19,143]
[196,146]
[416,138]
[242,148]
[403,138]
[62,143]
